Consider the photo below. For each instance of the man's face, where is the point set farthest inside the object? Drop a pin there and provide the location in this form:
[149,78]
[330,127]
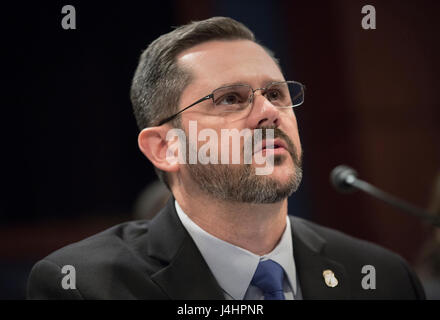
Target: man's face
[216,64]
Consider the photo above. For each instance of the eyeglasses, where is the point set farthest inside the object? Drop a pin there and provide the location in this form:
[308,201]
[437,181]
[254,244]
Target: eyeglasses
[235,99]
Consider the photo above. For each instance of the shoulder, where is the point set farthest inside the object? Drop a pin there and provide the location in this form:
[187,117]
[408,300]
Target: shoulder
[337,241]
[124,237]
[99,265]
[359,257]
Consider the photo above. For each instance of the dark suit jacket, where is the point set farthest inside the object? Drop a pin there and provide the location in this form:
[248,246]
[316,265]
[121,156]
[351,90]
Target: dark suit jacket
[158,259]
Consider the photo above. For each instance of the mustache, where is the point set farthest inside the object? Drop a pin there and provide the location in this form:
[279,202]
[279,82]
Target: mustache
[278,133]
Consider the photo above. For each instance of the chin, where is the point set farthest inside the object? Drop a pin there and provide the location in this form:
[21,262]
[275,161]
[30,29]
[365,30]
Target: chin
[282,175]
[283,170]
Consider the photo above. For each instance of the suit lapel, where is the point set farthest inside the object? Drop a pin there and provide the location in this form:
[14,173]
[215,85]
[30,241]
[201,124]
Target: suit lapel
[186,274]
[311,261]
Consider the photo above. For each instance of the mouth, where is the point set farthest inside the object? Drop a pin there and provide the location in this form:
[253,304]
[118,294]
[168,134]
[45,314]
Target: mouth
[276,146]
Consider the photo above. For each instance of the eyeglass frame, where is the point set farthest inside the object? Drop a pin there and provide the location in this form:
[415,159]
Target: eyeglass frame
[251,98]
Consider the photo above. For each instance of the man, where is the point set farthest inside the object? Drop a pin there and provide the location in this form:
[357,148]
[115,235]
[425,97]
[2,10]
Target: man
[225,233]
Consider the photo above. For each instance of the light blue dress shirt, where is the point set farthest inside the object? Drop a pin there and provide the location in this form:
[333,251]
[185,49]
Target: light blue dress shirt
[233,267]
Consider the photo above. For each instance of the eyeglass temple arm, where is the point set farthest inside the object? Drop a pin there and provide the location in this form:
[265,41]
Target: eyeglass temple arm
[175,115]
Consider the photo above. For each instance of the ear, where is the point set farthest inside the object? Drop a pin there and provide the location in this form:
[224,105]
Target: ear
[153,144]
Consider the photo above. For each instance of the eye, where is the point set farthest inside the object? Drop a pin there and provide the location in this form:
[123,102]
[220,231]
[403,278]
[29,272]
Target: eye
[273,95]
[228,99]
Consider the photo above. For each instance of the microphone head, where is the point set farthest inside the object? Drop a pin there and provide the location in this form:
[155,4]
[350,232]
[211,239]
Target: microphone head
[338,178]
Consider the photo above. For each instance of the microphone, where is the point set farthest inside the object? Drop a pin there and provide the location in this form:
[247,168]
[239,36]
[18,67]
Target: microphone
[345,180]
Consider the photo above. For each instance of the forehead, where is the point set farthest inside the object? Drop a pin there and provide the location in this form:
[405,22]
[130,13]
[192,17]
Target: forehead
[216,63]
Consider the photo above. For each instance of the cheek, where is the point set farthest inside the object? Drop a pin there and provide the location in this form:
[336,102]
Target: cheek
[228,145]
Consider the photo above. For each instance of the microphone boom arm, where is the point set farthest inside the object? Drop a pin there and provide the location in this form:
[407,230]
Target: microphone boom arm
[345,179]
[392,200]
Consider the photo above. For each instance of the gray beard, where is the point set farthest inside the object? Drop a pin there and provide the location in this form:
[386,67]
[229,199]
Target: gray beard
[240,183]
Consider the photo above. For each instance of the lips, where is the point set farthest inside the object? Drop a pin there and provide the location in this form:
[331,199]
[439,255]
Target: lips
[271,144]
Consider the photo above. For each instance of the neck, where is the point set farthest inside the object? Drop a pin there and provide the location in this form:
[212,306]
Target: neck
[254,227]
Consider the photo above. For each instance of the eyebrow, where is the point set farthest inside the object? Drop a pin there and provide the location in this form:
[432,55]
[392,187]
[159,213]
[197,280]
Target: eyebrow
[235,83]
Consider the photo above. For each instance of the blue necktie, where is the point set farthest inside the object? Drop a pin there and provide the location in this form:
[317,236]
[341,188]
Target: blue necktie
[269,278]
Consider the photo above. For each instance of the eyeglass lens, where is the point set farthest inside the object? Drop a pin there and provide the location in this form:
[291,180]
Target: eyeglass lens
[236,98]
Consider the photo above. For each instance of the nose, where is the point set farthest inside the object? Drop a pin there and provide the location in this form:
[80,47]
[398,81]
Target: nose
[263,113]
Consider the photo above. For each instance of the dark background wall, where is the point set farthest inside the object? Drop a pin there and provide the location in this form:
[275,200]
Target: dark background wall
[70,161]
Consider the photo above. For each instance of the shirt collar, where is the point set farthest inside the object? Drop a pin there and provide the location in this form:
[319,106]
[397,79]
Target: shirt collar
[232,266]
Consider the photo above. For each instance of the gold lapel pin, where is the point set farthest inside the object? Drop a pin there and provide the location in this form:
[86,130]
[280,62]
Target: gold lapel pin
[329,278]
